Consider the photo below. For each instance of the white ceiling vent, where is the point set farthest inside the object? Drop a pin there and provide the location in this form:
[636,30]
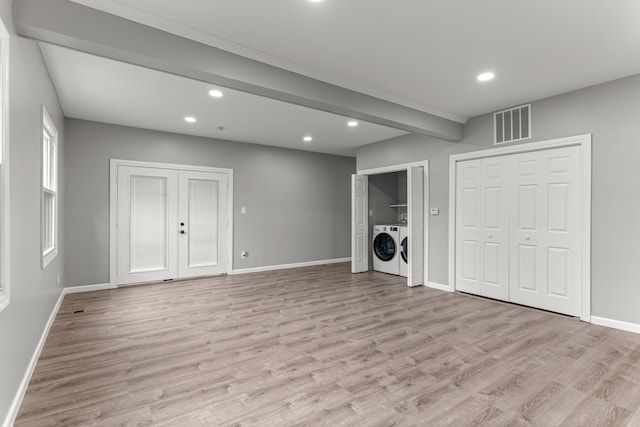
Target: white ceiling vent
[513,124]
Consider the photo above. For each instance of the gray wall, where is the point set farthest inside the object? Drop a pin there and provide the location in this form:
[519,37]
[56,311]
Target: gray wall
[383,191]
[34,292]
[610,113]
[298,203]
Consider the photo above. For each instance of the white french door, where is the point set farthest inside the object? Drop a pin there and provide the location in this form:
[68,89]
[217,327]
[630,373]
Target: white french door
[202,213]
[170,224]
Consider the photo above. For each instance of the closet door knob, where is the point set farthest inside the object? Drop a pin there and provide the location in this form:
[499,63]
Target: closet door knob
[527,238]
[183,232]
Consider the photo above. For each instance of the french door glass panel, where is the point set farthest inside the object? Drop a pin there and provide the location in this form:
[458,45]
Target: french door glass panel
[204,223]
[149,224]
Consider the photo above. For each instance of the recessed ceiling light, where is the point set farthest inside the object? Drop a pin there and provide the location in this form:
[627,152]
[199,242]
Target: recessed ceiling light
[307,139]
[352,123]
[486,76]
[216,93]
[190,119]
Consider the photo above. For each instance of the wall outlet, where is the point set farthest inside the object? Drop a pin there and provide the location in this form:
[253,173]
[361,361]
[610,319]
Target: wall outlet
[244,254]
[435,211]
[243,210]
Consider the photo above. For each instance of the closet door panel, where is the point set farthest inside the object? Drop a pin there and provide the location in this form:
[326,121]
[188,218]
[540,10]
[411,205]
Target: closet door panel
[527,230]
[468,229]
[495,228]
[482,230]
[562,292]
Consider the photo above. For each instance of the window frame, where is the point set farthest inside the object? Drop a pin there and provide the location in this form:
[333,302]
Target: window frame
[49,187]
[5,252]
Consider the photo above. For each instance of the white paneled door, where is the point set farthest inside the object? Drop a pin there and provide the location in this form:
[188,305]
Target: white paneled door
[482,228]
[518,222]
[545,229]
[171,224]
[359,223]
[415,192]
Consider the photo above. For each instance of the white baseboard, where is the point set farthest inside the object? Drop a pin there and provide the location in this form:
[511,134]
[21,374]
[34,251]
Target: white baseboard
[616,324]
[439,286]
[17,400]
[287,266]
[86,288]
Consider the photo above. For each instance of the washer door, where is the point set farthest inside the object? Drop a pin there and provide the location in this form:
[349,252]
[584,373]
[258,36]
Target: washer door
[405,249]
[384,247]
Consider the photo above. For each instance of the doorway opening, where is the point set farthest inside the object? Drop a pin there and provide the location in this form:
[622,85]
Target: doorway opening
[390,222]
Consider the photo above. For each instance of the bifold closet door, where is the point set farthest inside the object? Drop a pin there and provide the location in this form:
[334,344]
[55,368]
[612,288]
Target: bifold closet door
[482,227]
[545,230]
[359,223]
[518,222]
[415,193]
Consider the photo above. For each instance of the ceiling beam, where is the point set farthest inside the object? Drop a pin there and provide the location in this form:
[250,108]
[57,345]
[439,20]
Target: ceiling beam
[81,28]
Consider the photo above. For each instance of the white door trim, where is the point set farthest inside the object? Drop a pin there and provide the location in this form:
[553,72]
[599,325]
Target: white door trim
[584,142]
[407,167]
[113,207]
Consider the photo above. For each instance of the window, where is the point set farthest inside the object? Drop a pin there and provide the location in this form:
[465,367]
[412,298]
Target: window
[4,166]
[49,216]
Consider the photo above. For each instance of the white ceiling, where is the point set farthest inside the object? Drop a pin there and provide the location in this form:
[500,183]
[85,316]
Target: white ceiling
[94,88]
[423,54]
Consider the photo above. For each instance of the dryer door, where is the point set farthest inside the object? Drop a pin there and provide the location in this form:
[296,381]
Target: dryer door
[404,250]
[384,247]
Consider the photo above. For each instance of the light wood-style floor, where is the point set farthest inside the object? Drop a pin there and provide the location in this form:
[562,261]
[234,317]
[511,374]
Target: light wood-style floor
[319,346]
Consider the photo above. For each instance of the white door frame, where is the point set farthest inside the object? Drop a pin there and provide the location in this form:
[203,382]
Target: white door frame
[113,207]
[584,142]
[406,167]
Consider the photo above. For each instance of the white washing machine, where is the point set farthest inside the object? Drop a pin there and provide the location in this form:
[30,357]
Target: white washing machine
[404,250]
[386,249]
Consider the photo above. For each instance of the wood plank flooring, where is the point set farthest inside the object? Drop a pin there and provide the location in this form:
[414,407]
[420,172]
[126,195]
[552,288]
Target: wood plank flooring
[320,346]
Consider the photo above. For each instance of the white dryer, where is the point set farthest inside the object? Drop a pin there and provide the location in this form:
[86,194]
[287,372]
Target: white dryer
[386,249]
[404,250]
